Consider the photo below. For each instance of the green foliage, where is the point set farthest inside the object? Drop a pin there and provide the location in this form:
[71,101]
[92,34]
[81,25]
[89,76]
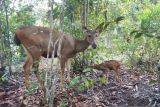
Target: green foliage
[82,83]
[87,82]
[74,80]
[139,16]
[89,69]
[150,23]
[89,56]
[150,20]
[16,18]
[63,104]
[86,70]
[4,77]
[102,80]
[32,89]
[22,18]
[81,87]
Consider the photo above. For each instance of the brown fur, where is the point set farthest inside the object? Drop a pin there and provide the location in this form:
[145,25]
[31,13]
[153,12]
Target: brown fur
[109,65]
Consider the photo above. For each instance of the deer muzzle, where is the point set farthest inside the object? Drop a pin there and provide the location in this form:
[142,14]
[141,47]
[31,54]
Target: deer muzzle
[94,46]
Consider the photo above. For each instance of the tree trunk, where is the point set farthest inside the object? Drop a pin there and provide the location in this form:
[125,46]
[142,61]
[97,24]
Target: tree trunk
[51,75]
[84,12]
[49,78]
[1,47]
[9,53]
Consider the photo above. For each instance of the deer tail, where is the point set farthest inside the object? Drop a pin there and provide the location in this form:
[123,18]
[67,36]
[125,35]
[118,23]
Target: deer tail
[16,40]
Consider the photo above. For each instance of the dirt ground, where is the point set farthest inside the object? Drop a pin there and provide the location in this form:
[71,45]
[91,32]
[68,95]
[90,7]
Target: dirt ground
[135,90]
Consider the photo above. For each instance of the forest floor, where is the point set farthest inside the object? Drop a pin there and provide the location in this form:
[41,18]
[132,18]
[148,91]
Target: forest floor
[135,90]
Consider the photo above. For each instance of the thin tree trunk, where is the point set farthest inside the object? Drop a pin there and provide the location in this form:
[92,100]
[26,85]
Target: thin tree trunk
[61,29]
[96,11]
[51,76]
[49,79]
[85,20]
[62,15]
[1,49]
[8,39]
[84,13]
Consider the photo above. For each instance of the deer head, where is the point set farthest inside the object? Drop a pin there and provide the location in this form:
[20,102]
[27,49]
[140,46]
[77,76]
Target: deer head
[90,36]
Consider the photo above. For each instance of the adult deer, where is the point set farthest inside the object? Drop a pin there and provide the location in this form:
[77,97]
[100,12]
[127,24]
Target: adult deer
[35,41]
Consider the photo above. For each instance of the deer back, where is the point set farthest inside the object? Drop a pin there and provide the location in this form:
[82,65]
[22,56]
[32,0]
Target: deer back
[33,36]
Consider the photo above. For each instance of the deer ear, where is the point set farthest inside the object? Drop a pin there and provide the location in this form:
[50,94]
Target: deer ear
[100,27]
[84,29]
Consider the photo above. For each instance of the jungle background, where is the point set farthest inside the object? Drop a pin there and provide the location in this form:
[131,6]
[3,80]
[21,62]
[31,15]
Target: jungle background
[135,41]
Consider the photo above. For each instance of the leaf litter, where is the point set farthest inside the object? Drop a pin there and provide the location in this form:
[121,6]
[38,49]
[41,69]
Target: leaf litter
[135,90]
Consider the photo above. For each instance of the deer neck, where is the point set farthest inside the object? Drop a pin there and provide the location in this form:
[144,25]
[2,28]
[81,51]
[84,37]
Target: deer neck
[81,45]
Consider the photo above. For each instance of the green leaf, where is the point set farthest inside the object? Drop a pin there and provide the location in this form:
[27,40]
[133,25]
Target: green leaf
[139,34]
[87,85]
[103,80]
[134,31]
[94,70]
[86,82]
[81,87]
[63,104]
[74,80]
[4,77]
[87,70]
[91,81]
[84,79]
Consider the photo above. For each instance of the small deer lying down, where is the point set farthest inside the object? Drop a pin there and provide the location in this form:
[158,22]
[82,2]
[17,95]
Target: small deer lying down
[109,65]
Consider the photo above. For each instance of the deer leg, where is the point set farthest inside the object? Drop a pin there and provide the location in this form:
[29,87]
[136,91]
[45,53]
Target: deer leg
[36,71]
[63,61]
[68,64]
[27,68]
[116,74]
[106,74]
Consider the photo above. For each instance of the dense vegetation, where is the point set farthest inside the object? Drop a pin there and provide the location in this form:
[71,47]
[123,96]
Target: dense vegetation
[135,40]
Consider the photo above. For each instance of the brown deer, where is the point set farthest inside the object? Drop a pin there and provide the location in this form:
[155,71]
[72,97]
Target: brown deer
[109,65]
[35,41]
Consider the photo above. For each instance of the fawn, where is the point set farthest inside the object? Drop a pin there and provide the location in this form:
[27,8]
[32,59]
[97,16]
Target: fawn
[109,65]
